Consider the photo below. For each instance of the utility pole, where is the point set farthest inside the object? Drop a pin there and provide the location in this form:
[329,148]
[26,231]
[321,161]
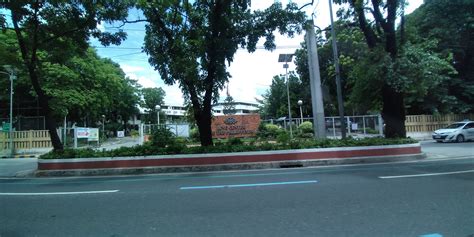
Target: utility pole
[340,103]
[12,76]
[315,83]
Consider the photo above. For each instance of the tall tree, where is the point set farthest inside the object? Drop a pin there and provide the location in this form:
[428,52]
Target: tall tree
[274,104]
[382,32]
[453,29]
[59,28]
[151,98]
[190,44]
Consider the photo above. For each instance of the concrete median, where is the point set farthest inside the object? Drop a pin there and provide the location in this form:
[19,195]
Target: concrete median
[228,161]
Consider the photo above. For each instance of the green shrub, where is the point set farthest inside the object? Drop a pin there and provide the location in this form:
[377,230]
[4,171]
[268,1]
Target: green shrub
[134,133]
[272,130]
[235,141]
[176,148]
[305,135]
[162,137]
[194,134]
[283,137]
[306,127]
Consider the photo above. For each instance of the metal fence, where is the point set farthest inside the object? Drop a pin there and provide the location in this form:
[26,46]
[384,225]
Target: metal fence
[356,126]
[179,130]
[21,123]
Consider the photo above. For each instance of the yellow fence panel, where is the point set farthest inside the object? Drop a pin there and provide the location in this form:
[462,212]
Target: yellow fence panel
[26,139]
[429,123]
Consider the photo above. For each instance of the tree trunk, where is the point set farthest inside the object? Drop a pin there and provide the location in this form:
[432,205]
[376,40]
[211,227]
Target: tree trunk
[31,66]
[393,112]
[204,125]
[44,102]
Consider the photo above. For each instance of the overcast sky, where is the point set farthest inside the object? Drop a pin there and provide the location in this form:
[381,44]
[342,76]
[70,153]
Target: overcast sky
[251,73]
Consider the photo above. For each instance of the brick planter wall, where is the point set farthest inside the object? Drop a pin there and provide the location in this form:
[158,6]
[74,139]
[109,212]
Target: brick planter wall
[230,158]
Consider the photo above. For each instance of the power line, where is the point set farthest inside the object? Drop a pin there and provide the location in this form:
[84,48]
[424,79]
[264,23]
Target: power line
[121,55]
[258,47]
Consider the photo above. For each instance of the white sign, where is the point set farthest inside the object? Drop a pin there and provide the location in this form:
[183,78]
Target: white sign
[82,132]
[354,126]
[120,133]
[93,134]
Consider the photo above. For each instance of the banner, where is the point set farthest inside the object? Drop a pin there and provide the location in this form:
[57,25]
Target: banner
[82,132]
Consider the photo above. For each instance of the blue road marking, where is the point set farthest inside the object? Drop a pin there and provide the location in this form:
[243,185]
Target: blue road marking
[431,235]
[248,185]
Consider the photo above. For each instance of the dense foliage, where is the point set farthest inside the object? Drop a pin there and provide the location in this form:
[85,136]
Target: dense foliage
[53,32]
[151,98]
[78,87]
[191,43]
[433,68]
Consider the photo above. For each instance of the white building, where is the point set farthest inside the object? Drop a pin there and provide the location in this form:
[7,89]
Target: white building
[240,108]
[176,112]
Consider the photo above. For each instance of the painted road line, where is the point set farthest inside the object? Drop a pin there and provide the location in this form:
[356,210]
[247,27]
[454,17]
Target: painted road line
[58,193]
[248,185]
[423,175]
[431,235]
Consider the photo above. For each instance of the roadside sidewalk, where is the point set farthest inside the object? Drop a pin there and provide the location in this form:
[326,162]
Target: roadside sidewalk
[17,167]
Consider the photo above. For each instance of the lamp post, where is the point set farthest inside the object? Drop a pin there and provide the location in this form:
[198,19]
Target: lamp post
[65,129]
[11,73]
[300,103]
[286,58]
[158,107]
[103,126]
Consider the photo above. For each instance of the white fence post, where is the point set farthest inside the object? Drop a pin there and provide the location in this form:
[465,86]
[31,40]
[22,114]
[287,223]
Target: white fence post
[380,124]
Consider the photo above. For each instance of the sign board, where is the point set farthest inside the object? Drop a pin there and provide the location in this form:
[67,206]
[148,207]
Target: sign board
[82,132]
[120,133]
[355,126]
[235,126]
[93,134]
[6,127]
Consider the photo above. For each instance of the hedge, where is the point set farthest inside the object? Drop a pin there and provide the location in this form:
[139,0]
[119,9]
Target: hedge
[232,146]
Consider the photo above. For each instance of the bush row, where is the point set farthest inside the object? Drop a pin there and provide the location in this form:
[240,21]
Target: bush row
[176,146]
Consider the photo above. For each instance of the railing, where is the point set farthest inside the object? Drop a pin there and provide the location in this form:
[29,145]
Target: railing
[26,139]
[429,123]
[362,125]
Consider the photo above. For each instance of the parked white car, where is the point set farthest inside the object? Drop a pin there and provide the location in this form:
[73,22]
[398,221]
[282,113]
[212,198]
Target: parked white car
[457,132]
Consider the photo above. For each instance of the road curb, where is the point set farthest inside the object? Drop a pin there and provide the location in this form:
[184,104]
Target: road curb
[226,167]
[228,161]
[19,156]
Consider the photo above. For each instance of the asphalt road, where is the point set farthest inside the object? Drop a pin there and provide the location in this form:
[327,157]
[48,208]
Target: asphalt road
[428,198]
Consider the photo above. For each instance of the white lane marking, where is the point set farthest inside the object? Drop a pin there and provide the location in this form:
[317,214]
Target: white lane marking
[58,193]
[248,185]
[423,175]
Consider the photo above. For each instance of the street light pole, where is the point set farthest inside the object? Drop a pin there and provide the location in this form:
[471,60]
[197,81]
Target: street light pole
[11,73]
[300,103]
[285,58]
[158,107]
[288,97]
[103,126]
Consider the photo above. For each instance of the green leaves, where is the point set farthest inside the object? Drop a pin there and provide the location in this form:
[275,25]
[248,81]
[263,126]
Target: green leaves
[192,44]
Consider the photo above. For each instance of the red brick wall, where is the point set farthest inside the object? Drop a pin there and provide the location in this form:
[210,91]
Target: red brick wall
[235,125]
